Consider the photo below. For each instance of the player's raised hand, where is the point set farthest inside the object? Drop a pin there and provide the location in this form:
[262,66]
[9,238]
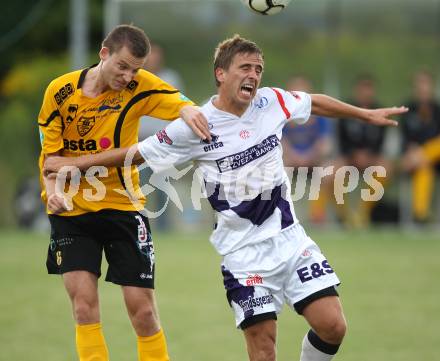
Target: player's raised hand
[196,121]
[381,116]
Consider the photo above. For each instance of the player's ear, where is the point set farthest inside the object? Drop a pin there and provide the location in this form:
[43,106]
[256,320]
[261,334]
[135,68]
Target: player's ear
[104,53]
[220,75]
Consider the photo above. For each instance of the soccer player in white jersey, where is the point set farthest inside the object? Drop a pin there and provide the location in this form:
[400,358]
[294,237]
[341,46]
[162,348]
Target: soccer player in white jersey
[268,259]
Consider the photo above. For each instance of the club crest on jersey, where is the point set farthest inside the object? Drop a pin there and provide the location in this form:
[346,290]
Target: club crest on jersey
[245,134]
[85,125]
[162,136]
[72,109]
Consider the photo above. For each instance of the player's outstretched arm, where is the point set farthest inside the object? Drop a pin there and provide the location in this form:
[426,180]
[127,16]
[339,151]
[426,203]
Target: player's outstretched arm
[111,158]
[327,106]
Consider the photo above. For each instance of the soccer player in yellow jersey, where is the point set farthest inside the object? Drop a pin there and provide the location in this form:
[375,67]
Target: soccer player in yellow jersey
[89,111]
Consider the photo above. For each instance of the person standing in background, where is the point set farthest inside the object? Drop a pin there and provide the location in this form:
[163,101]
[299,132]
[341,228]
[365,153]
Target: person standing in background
[156,64]
[308,145]
[421,143]
[361,145]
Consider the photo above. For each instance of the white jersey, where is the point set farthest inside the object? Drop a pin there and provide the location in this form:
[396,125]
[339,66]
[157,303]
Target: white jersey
[242,167]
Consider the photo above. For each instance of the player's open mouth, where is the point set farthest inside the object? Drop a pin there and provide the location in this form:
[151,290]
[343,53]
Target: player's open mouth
[247,89]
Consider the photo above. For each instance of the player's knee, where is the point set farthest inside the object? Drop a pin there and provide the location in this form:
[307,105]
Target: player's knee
[333,330]
[145,317]
[85,312]
[264,355]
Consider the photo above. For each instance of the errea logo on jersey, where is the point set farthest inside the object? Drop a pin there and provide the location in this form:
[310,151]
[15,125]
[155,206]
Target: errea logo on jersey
[213,145]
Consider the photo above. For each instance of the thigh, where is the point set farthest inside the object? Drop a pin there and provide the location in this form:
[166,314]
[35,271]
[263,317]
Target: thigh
[82,288]
[129,249]
[81,285]
[72,247]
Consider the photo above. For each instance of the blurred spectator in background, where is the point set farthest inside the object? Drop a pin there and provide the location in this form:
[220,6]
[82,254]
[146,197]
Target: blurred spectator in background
[421,143]
[361,145]
[155,64]
[307,145]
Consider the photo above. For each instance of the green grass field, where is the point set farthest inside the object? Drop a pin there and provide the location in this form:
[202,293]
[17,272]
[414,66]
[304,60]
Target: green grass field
[390,291]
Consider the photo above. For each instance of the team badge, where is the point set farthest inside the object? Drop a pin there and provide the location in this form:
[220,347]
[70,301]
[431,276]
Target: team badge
[85,125]
[244,134]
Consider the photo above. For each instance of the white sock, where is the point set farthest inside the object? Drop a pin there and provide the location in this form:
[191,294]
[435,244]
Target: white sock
[315,349]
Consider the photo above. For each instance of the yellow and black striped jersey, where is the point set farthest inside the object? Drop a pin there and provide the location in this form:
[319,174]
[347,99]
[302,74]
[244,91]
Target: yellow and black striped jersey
[75,124]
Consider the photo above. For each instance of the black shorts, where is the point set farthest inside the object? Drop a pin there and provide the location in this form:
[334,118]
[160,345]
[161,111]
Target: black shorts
[76,243]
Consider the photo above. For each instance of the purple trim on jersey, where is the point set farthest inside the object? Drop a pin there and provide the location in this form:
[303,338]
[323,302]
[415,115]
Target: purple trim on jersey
[258,210]
[240,159]
[216,203]
[236,292]
[286,213]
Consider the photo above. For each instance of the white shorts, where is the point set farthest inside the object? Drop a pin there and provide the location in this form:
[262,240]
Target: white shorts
[288,268]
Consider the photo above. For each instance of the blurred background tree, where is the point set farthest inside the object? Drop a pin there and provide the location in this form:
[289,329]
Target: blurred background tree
[34,45]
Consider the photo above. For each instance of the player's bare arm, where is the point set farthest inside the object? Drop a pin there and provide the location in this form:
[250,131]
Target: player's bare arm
[327,106]
[111,158]
[55,202]
[195,119]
